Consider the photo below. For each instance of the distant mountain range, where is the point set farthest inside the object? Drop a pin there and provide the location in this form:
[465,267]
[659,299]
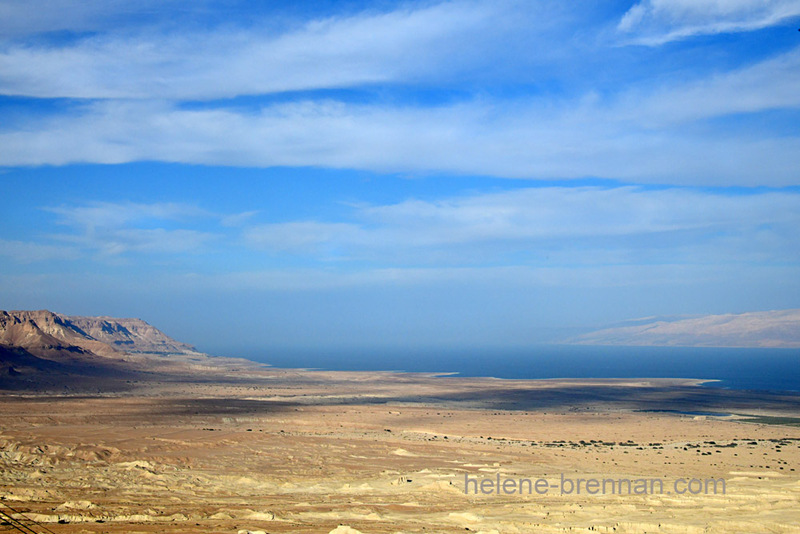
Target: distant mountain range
[777,329]
[46,349]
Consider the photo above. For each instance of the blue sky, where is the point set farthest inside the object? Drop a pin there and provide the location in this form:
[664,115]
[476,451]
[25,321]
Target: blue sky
[398,174]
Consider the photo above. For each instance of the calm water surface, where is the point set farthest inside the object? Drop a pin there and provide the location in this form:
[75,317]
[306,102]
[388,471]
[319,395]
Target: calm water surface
[764,369]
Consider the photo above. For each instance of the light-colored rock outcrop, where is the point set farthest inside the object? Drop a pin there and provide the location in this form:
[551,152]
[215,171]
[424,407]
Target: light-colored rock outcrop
[130,335]
[779,329]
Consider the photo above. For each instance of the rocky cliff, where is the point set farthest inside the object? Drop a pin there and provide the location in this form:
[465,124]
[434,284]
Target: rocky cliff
[45,333]
[42,349]
[129,335]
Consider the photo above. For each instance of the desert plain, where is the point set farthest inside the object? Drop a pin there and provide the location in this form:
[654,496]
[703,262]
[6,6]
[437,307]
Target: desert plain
[255,449]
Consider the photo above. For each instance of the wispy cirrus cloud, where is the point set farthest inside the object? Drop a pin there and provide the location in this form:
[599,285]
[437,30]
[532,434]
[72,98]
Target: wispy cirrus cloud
[325,108]
[109,242]
[408,43]
[113,229]
[139,89]
[587,225]
[117,214]
[639,134]
[655,22]
[528,226]
[771,84]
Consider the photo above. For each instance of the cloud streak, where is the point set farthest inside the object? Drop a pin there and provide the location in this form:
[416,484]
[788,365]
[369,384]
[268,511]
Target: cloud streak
[655,22]
[334,52]
[572,227]
[116,214]
[113,229]
[148,94]
[326,111]
[553,225]
[640,135]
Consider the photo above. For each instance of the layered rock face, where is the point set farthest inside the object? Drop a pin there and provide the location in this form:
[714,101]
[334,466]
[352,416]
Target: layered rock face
[42,349]
[44,333]
[130,335]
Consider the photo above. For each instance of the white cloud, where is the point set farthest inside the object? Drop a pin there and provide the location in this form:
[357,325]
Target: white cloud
[654,22]
[587,225]
[772,84]
[639,135]
[635,132]
[116,214]
[542,226]
[112,229]
[116,241]
[405,44]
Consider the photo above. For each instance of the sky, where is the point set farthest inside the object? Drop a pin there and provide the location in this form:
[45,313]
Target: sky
[332,174]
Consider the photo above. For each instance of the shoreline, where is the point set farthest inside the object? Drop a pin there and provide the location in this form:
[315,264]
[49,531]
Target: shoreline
[290,451]
[760,369]
[246,381]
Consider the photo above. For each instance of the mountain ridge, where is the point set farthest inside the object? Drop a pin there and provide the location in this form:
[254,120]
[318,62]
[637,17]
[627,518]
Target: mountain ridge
[43,330]
[41,348]
[134,335]
[765,329]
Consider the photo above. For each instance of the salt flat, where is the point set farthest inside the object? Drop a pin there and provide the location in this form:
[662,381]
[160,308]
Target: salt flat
[302,451]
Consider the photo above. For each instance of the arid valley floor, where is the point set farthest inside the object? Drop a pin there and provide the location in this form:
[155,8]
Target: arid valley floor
[302,451]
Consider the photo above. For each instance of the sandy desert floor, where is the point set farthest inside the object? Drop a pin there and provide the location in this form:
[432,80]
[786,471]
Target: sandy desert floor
[300,451]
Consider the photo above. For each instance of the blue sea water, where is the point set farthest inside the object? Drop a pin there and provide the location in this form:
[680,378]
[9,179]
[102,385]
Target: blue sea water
[758,369]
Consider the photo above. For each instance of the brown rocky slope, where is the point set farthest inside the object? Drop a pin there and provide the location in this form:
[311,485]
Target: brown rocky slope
[45,349]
